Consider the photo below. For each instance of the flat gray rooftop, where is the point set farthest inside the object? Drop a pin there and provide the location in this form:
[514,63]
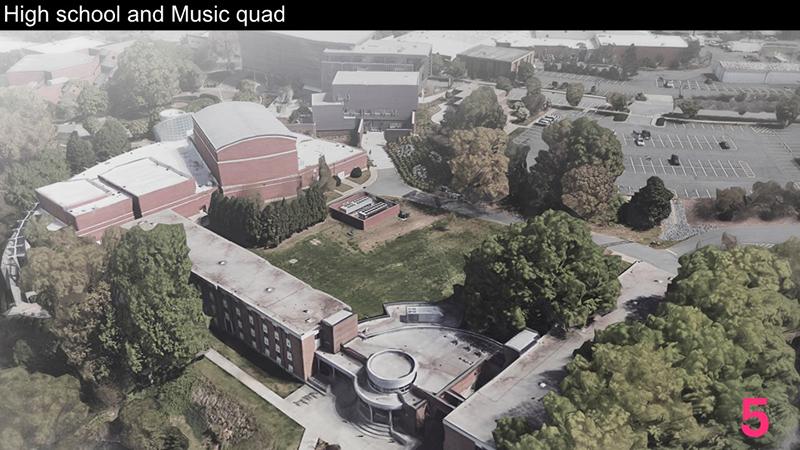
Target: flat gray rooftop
[283,298]
[229,122]
[442,353]
[375,78]
[351,37]
[387,47]
[495,53]
[50,62]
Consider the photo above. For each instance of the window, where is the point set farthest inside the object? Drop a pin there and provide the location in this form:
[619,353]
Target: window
[238,312]
[225,303]
[277,336]
[277,348]
[279,360]
[241,336]
[264,329]
[252,322]
[253,343]
[289,356]
[253,332]
[227,316]
[288,343]
[239,323]
[266,344]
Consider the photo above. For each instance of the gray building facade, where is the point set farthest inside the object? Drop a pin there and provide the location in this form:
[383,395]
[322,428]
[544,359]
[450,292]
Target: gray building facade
[377,55]
[383,100]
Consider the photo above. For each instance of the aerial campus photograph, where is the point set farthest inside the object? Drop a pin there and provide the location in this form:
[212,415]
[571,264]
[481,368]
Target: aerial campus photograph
[324,240]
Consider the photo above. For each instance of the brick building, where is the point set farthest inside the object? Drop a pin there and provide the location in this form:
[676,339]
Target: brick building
[487,62]
[377,56]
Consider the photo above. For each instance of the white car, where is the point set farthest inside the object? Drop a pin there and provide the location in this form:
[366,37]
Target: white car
[669,84]
[639,142]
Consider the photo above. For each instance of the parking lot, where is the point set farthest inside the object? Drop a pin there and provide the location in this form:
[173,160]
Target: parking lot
[722,88]
[754,154]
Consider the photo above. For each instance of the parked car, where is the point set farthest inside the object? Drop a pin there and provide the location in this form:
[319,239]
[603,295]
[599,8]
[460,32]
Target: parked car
[639,142]
[674,160]
[669,84]
[645,134]
[724,145]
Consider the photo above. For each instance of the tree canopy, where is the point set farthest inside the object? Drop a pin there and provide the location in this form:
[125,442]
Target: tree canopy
[574,93]
[147,76]
[479,163]
[479,109]
[24,177]
[677,379]
[542,273]
[158,314]
[92,101]
[79,153]
[649,205]
[525,72]
[110,140]
[787,110]
[25,124]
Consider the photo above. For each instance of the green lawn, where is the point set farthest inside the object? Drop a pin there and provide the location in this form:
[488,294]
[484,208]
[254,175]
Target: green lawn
[257,366]
[422,265]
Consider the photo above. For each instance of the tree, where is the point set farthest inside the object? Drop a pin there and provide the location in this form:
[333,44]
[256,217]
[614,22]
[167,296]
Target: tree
[111,140]
[787,110]
[617,100]
[92,101]
[23,178]
[147,77]
[790,251]
[200,103]
[479,109]
[539,274]
[535,102]
[25,124]
[570,145]
[80,155]
[504,84]
[574,93]
[325,180]
[479,163]
[690,108]
[533,85]
[525,72]
[158,312]
[729,202]
[630,61]
[691,52]
[190,77]
[588,191]
[456,68]
[649,205]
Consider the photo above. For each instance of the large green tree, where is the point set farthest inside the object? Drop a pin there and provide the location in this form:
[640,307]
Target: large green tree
[158,313]
[92,101]
[589,192]
[574,93]
[479,109]
[147,77]
[24,177]
[111,140]
[649,205]
[787,110]
[570,145]
[80,154]
[479,163]
[525,72]
[25,124]
[542,273]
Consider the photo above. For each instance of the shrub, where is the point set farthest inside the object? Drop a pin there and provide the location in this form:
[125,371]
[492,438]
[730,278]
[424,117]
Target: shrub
[356,172]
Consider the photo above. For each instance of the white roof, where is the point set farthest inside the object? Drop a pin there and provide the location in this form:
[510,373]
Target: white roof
[641,40]
[9,45]
[66,45]
[50,62]
[748,66]
[143,176]
[230,122]
[375,78]
[81,196]
[384,47]
[450,43]
[309,150]
[351,37]
[524,39]
[179,155]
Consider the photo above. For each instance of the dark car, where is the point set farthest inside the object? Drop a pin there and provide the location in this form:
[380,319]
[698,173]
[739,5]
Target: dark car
[646,134]
[673,160]
[724,145]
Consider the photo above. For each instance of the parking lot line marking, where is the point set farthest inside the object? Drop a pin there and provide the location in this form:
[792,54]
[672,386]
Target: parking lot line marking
[708,193]
[670,142]
[692,167]
[684,125]
[702,168]
[686,192]
[662,166]
[624,140]
[696,194]
[748,172]
[730,164]
[662,141]
[712,168]
[721,167]
[642,163]
[710,147]
[698,142]
[702,125]
[693,125]
[633,165]
[679,140]
[653,166]
[684,170]
[652,141]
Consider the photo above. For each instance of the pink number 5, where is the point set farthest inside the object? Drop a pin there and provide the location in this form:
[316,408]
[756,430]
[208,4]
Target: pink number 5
[747,414]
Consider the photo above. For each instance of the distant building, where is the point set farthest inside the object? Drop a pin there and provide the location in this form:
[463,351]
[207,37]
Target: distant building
[489,62]
[547,47]
[47,73]
[783,51]
[663,49]
[238,147]
[382,100]
[109,54]
[71,45]
[757,72]
[449,43]
[363,211]
[377,55]
[294,55]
